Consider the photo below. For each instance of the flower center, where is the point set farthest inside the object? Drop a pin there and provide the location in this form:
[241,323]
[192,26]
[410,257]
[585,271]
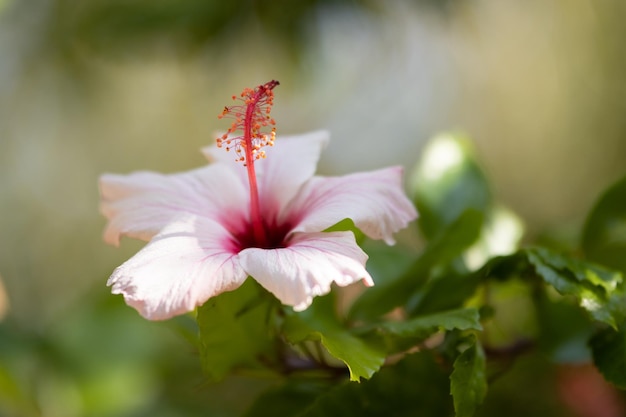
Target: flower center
[252,117]
[274,238]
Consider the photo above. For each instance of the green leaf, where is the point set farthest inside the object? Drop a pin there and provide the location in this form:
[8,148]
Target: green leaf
[446,292]
[506,267]
[381,299]
[398,336]
[387,263]
[564,329]
[468,382]
[450,287]
[347,225]
[597,289]
[590,284]
[582,271]
[608,347]
[236,329]
[604,233]
[287,400]
[416,385]
[446,182]
[424,326]
[320,323]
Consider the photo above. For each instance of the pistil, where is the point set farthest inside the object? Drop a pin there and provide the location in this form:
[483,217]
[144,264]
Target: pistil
[252,117]
[255,210]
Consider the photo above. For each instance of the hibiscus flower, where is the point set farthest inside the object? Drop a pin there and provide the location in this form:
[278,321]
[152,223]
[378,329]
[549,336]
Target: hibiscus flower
[260,214]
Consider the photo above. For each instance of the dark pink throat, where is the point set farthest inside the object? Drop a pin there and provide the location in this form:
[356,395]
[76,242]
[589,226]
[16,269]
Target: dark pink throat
[275,237]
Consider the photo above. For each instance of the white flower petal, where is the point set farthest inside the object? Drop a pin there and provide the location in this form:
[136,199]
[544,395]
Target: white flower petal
[287,167]
[289,164]
[140,204]
[190,261]
[307,267]
[375,201]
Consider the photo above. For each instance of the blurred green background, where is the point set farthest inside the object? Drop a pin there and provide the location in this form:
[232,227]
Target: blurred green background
[119,85]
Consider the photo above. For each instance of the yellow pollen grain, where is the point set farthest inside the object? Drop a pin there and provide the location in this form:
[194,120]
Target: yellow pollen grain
[262,99]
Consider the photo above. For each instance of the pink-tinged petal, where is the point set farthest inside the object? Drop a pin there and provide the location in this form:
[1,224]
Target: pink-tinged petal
[184,265]
[375,201]
[140,204]
[221,156]
[289,164]
[307,267]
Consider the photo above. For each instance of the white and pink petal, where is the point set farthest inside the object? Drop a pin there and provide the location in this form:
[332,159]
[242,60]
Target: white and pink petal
[140,204]
[375,201]
[289,164]
[307,267]
[188,262]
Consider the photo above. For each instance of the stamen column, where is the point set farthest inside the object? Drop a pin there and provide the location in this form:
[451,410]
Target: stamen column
[251,118]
